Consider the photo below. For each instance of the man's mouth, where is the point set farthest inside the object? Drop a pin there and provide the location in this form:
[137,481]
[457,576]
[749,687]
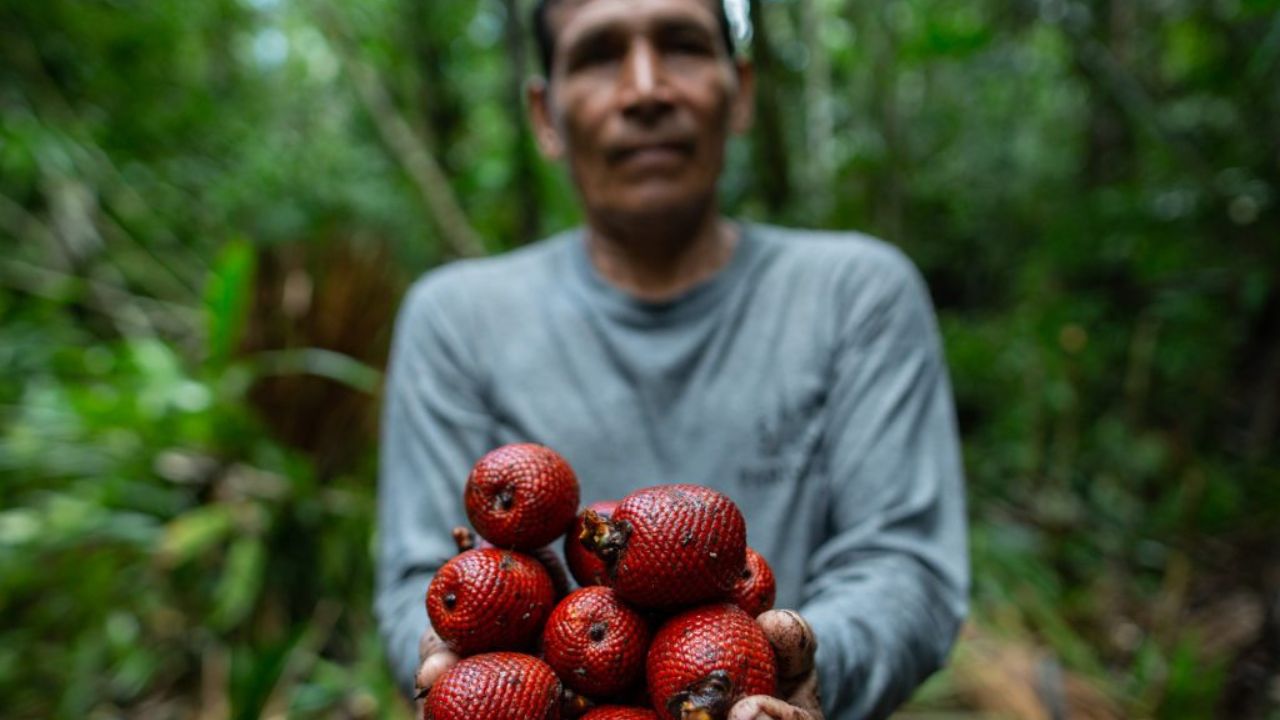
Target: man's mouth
[655,153]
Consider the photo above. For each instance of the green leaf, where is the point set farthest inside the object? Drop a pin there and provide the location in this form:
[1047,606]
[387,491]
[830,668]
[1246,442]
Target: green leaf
[1194,681]
[323,363]
[193,533]
[228,297]
[240,584]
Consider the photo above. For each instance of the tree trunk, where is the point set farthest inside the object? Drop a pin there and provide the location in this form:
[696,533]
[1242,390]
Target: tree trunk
[889,195]
[438,113]
[818,122]
[524,162]
[1112,143]
[770,143]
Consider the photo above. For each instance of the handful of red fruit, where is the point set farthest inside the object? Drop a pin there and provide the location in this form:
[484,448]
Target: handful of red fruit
[662,626]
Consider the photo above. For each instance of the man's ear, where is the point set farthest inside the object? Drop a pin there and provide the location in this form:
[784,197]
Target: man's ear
[744,103]
[542,120]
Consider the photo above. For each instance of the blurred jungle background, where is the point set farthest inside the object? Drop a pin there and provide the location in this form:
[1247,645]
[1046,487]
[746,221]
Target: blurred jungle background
[210,210]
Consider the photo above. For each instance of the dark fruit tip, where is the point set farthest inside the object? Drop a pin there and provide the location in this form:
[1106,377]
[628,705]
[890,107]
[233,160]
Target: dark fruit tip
[706,699]
[505,499]
[573,705]
[603,536]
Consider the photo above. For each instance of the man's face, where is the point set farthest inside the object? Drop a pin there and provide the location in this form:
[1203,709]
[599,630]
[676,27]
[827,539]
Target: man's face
[641,101]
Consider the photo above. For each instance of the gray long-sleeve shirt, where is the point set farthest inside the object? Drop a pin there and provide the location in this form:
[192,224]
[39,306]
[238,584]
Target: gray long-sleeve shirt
[805,380]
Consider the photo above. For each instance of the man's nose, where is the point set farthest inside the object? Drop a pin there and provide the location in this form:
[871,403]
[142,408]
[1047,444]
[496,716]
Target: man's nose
[644,87]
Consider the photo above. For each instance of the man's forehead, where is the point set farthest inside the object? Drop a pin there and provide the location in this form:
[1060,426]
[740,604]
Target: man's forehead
[570,15]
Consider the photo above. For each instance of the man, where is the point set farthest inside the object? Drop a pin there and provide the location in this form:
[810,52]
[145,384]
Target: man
[799,373]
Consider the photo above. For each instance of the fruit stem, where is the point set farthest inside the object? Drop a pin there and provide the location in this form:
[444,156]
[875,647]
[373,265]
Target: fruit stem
[603,536]
[573,705]
[464,539]
[707,699]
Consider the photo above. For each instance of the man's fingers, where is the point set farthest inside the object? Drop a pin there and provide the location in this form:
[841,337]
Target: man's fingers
[432,668]
[804,694]
[763,707]
[793,643]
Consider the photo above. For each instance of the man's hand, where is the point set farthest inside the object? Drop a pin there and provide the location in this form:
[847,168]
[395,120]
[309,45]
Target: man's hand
[793,645]
[435,660]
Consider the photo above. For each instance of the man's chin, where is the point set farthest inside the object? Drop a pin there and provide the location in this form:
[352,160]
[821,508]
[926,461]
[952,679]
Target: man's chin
[660,206]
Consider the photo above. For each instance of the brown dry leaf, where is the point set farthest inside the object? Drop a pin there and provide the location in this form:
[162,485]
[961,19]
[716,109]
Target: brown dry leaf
[1008,678]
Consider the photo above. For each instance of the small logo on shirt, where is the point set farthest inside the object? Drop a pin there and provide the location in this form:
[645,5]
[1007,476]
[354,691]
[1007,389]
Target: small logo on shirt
[785,442]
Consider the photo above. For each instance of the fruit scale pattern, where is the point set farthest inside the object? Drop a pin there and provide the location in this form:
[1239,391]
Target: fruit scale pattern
[496,686]
[489,599]
[667,563]
[679,545]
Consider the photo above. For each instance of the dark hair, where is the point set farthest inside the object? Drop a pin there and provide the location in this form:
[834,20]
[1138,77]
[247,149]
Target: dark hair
[547,42]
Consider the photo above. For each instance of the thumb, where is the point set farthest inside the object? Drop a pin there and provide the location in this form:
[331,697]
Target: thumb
[793,643]
[431,670]
[763,707]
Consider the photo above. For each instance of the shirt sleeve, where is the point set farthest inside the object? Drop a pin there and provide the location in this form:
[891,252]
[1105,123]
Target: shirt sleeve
[434,427]
[887,591]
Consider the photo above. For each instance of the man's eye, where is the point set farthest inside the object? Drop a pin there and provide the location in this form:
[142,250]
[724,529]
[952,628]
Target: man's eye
[691,48]
[593,55]
[688,44]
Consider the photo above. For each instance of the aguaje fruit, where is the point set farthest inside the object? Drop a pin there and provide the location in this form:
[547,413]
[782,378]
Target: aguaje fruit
[618,712]
[489,599]
[704,660]
[466,540]
[666,563]
[495,686]
[670,546]
[521,496]
[595,643]
[587,567]
[755,590]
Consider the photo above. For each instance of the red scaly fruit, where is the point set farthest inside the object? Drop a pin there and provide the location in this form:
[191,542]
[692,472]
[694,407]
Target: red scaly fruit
[587,567]
[670,546]
[618,712]
[706,659]
[521,496]
[756,589]
[595,643]
[467,540]
[495,686]
[489,599]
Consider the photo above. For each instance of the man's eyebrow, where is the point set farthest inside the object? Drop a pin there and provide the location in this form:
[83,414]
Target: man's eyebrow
[593,37]
[659,28]
[681,25]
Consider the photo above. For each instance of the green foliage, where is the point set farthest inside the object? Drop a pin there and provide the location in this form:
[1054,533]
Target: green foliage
[227,300]
[188,191]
